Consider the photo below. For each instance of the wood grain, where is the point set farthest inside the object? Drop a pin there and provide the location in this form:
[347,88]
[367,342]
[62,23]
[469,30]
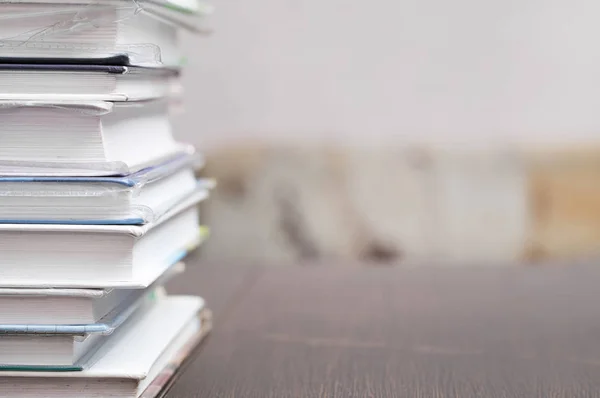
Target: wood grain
[339,331]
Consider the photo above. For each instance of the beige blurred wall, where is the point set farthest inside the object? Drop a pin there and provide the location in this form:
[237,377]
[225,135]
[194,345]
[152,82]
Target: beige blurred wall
[410,129]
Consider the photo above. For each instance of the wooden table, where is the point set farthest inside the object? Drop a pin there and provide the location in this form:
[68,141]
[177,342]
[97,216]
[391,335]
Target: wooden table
[331,330]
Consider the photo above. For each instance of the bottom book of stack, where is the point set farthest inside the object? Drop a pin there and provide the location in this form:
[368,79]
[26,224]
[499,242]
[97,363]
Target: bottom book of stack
[84,343]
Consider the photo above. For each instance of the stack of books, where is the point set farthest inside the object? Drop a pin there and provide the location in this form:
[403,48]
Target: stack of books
[98,201]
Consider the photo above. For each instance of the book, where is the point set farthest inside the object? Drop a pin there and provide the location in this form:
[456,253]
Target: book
[146,31]
[183,7]
[103,79]
[136,199]
[38,255]
[64,347]
[130,361]
[91,138]
[35,309]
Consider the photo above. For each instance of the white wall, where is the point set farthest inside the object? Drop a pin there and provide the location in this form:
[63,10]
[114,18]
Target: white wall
[377,70]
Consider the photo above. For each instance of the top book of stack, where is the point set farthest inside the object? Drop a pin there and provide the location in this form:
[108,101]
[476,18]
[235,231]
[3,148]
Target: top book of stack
[124,32]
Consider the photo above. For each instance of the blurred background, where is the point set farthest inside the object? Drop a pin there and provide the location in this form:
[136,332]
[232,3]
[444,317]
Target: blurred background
[426,131]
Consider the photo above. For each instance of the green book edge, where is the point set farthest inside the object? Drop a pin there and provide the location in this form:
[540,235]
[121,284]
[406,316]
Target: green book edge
[203,9]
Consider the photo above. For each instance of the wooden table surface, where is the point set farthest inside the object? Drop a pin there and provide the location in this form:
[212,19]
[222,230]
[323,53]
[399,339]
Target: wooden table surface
[331,330]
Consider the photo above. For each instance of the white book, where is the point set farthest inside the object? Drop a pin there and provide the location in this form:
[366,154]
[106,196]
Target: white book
[143,31]
[40,255]
[129,363]
[39,352]
[136,199]
[84,138]
[65,347]
[62,306]
[27,79]
[187,7]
